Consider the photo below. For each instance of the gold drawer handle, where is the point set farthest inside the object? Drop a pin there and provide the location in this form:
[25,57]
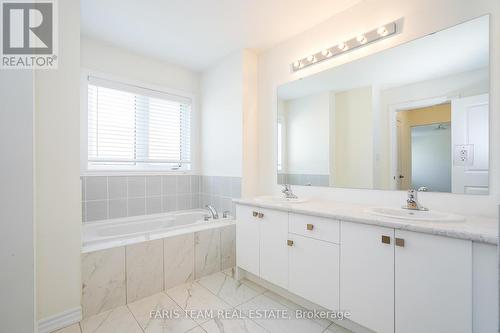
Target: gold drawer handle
[400,242]
[310,226]
[261,215]
[255,214]
[386,239]
[289,242]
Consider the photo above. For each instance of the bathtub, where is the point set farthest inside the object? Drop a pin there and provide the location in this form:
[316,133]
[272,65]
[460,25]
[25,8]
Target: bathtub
[100,235]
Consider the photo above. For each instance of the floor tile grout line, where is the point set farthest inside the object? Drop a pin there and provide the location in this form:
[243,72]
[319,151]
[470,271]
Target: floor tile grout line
[326,329]
[180,307]
[220,299]
[201,327]
[235,307]
[133,316]
[259,293]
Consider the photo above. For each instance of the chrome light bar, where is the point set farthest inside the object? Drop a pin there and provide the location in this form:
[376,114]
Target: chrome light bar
[374,35]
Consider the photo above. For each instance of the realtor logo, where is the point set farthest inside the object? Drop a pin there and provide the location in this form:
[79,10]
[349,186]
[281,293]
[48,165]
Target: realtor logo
[29,34]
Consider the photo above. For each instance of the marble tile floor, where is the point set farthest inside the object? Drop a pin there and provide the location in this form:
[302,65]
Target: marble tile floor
[218,291]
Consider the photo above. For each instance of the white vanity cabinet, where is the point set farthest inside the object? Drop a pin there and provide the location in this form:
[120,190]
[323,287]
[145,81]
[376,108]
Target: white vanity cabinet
[390,280]
[367,275]
[314,259]
[273,246]
[433,283]
[248,239]
[261,243]
[485,288]
[401,281]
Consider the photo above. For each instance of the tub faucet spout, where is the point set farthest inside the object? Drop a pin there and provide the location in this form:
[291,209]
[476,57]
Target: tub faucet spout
[213,212]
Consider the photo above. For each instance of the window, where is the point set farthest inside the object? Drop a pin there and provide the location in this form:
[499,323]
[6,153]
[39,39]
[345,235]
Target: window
[133,128]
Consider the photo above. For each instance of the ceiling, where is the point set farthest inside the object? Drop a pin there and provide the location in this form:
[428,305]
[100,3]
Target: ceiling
[459,49]
[199,33]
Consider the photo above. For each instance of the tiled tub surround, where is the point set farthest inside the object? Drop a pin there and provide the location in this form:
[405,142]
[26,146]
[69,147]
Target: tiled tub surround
[220,191]
[109,197]
[121,275]
[303,179]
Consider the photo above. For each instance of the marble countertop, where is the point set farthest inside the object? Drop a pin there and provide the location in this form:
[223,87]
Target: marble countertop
[475,228]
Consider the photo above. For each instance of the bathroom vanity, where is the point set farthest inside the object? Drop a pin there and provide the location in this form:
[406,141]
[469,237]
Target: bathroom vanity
[392,275]
[411,118]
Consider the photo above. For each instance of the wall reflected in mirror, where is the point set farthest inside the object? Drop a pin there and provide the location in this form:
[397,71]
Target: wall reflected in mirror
[413,116]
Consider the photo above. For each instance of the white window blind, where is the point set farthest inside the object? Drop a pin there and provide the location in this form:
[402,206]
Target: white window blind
[134,127]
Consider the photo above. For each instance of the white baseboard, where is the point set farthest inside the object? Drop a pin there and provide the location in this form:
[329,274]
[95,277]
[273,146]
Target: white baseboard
[60,320]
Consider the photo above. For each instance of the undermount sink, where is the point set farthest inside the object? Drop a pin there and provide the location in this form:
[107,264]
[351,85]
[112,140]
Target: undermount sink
[279,200]
[405,214]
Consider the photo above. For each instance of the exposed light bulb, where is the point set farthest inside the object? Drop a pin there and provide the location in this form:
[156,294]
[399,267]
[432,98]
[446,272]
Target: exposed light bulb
[371,36]
[343,46]
[361,39]
[326,53]
[382,31]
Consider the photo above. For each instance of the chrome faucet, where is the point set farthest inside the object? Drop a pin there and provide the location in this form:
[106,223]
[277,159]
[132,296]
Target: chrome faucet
[412,201]
[287,191]
[212,211]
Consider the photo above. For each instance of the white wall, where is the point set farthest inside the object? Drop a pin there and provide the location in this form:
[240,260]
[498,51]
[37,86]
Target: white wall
[105,58]
[421,17]
[307,124]
[57,162]
[222,117]
[17,253]
[250,130]
[353,138]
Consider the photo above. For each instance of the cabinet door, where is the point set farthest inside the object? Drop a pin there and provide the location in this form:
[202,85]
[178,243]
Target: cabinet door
[367,275]
[273,247]
[484,288]
[433,290]
[314,270]
[247,239]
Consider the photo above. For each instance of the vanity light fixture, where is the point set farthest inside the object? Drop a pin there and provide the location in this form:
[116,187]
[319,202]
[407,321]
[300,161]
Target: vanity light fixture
[342,47]
[361,39]
[382,31]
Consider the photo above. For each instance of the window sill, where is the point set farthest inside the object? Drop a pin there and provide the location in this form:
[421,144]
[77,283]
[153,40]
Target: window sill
[135,172]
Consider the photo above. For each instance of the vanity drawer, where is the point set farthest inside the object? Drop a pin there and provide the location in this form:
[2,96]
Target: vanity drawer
[315,227]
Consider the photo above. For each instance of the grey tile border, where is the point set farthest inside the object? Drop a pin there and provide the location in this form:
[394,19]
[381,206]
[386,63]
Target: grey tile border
[96,210]
[153,186]
[125,196]
[96,188]
[136,206]
[153,205]
[117,208]
[169,185]
[169,203]
[117,187]
[136,186]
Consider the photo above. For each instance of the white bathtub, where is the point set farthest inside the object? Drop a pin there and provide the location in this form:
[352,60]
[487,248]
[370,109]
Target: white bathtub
[99,235]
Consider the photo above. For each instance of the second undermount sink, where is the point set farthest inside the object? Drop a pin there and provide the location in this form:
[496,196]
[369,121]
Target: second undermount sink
[279,200]
[405,214]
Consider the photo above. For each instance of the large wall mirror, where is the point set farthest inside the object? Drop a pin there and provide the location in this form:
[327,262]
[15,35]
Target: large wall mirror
[413,116]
